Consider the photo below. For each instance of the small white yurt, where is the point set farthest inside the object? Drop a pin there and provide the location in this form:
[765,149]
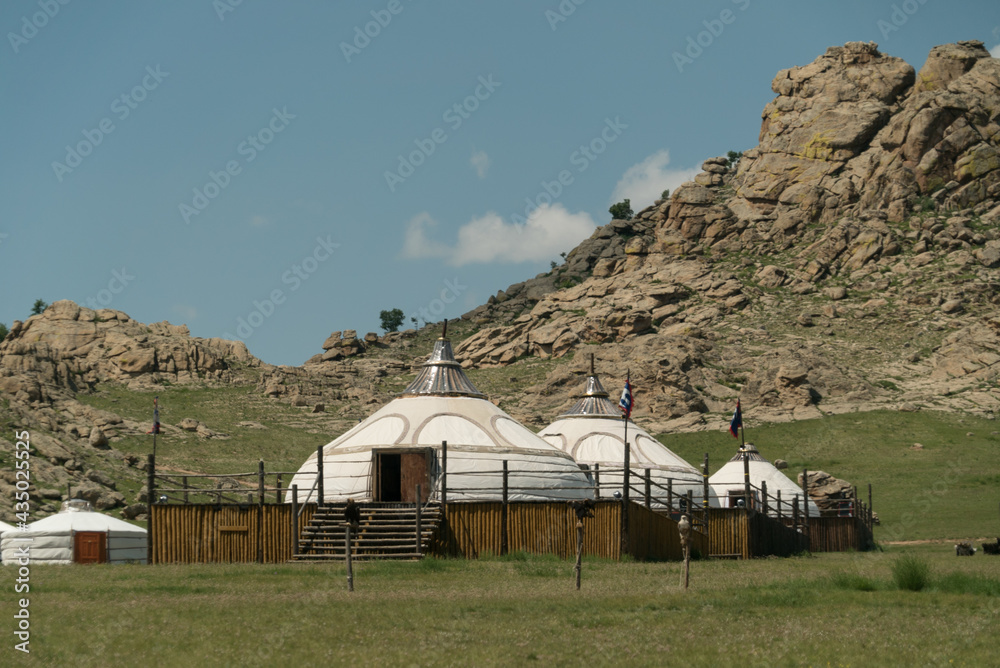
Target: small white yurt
[78,535]
[727,485]
[4,528]
[593,433]
[398,447]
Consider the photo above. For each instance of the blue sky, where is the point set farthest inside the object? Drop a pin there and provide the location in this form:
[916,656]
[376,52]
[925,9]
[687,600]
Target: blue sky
[275,171]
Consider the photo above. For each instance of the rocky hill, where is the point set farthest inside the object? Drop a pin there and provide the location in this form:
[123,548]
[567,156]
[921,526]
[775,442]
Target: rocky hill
[848,261]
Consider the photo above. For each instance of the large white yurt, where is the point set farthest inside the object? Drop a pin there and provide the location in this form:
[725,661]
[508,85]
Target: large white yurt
[727,484]
[77,534]
[593,432]
[398,447]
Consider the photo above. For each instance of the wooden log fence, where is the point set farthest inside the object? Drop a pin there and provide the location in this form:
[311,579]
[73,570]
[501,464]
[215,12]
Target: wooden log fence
[209,533]
[474,529]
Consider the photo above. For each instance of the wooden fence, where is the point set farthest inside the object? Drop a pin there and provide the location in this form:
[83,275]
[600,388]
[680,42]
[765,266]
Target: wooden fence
[475,529]
[840,534]
[210,533]
[745,533]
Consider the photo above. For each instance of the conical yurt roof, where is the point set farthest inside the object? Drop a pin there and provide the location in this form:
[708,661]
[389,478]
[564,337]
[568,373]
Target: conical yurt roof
[442,404]
[593,432]
[4,528]
[80,517]
[730,478]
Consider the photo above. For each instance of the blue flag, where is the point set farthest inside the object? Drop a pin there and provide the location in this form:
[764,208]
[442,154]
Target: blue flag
[625,403]
[737,421]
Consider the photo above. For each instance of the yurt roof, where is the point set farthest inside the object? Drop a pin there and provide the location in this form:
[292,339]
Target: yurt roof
[4,527]
[75,518]
[730,476]
[593,431]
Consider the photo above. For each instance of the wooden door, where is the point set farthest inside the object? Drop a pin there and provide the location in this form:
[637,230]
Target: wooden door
[90,547]
[415,472]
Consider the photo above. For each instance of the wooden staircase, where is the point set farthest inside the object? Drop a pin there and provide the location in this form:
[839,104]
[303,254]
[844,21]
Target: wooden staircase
[386,531]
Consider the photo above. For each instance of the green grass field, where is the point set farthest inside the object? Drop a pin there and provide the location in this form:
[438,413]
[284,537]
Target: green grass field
[828,610]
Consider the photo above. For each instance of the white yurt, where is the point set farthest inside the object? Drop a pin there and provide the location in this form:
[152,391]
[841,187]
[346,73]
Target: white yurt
[4,528]
[593,433]
[398,447]
[727,484]
[77,534]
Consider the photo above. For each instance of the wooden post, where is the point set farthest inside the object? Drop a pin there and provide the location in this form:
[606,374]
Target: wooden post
[704,484]
[319,478]
[260,511]
[277,491]
[184,482]
[626,486]
[295,520]
[684,528]
[503,513]
[746,478]
[763,493]
[780,510]
[579,551]
[871,509]
[670,495]
[690,502]
[805,510]
[444,478]
[597,481]
[150,500]
[350,566]
[420,538]
[649,486]
[795,511]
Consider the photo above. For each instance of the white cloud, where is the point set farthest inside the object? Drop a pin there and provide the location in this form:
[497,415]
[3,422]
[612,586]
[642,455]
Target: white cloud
[643,183]
[258,221]
[481,162]
[995,51]
[415,242]
[550,230]
[185,311]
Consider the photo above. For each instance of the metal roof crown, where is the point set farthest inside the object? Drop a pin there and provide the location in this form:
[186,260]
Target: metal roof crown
[442,375]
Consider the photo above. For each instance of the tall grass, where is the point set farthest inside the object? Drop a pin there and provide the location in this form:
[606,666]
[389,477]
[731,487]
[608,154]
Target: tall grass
[911,572]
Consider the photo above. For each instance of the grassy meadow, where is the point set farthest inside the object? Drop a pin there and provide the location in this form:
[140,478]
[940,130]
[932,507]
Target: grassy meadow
[827,610]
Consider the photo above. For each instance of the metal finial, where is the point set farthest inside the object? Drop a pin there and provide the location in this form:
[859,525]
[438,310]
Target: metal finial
[591,364]
[444,329]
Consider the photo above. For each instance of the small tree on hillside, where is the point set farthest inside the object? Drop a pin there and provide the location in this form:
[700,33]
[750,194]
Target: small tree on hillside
[3,331]
[392,319]
[732,158]
[38,307]
[621,211]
